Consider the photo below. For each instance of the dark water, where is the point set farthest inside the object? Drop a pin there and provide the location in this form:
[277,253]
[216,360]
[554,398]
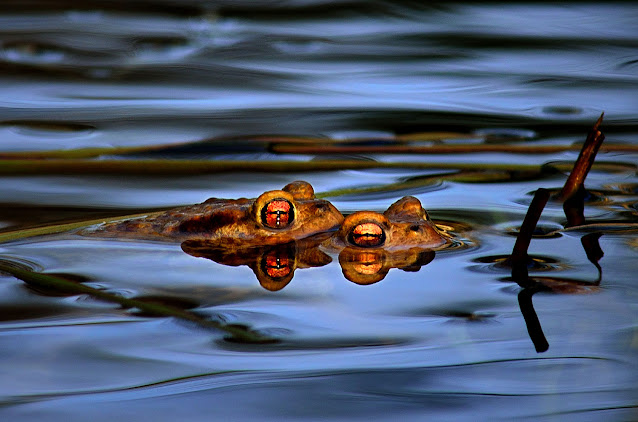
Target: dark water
[447,342]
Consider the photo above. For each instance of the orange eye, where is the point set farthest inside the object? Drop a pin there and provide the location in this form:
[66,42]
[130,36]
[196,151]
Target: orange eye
[367,235]
[277,266]
[277,214]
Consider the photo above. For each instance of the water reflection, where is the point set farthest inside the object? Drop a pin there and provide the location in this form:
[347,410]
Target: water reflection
[367,267]
[275,266]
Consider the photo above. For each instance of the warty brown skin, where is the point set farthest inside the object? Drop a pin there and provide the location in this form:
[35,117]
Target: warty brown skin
[231,223]
[405,225]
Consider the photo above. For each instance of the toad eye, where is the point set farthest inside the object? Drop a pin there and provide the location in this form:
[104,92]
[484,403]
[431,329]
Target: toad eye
[367,235]
[277,214]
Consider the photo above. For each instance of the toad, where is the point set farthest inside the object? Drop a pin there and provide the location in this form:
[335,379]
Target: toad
[370,243]
[275,217]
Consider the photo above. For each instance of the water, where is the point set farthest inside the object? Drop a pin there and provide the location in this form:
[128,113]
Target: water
[447,342]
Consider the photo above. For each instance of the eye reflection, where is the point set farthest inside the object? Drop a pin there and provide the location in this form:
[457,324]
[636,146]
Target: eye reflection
[277,265]
[367,235]
[277,214]
[368,263]
[362,267]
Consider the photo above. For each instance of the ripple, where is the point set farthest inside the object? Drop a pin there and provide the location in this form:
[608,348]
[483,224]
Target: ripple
[624,188]
[458,234]
[628,64]
[40,128]
[411,186]
[363,137]
[601,169]
[555,285]
[543,230]
[632,207]
[26,52]
[290,343]
[562,110]
[504,135]
[566,286]
[592,197]
[18,263]
[468,316]
[457,245]
[26,311]
[164,301]
[461,312]
[162,49]
[501,264]
[47,291]
[302,47]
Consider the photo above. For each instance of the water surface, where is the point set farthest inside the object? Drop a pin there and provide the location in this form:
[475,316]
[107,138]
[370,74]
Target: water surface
[213,80]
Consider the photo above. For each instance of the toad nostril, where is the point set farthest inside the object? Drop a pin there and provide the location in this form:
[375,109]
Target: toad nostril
[415,228]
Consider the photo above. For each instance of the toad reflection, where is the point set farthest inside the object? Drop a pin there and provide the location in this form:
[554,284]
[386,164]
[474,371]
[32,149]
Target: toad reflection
[274,266]
[368,245]
[368,267]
